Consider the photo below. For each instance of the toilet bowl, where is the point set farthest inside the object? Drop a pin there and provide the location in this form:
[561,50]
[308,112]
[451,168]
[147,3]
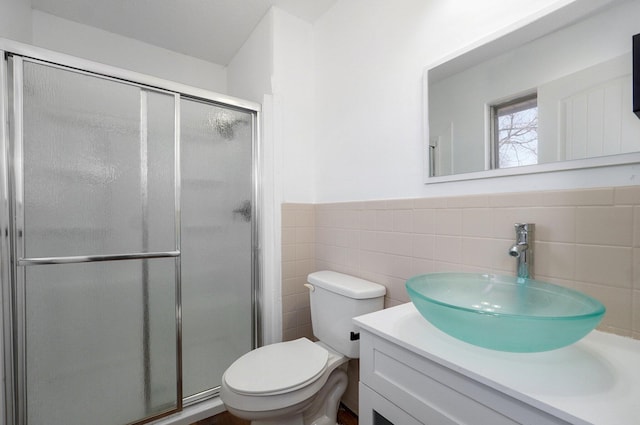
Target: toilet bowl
[301,382]
[284,382]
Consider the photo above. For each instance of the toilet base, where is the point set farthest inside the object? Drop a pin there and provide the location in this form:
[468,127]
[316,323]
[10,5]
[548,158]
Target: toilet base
[324,409]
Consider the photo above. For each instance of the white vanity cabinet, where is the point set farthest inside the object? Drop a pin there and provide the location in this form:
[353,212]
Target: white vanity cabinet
[425,392]
[411,373]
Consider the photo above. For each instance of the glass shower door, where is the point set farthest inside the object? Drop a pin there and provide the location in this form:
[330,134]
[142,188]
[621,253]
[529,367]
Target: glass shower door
[131,258]
[96,248]
[216,242]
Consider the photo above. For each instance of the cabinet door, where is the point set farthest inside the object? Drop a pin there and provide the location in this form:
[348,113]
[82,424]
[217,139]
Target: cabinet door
[377,410]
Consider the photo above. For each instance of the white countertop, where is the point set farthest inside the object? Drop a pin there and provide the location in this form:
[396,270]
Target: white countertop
[594,381]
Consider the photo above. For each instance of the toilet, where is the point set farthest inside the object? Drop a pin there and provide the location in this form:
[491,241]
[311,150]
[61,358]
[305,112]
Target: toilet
[301,382]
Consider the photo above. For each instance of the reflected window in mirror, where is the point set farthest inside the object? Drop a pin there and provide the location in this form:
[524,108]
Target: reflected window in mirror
[514,134]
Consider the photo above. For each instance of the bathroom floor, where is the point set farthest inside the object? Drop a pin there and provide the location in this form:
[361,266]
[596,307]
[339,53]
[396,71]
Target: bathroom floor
[345,417]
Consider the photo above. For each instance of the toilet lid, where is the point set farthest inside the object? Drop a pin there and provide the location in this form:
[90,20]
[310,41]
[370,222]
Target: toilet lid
[277,367]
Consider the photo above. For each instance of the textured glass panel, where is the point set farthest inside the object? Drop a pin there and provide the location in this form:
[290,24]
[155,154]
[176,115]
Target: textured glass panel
[85,336]
[84,146]
[216,146]
[161,171]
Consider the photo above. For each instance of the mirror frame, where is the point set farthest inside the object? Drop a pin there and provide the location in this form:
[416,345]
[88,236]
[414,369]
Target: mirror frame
[554,17]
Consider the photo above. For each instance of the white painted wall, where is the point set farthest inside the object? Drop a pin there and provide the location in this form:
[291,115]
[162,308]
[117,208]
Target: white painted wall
[250,71]
[278,60]
[87,42]
[294,86]
[15,20]
[370,57]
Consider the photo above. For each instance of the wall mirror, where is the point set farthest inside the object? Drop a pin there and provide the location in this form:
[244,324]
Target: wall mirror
[553,93]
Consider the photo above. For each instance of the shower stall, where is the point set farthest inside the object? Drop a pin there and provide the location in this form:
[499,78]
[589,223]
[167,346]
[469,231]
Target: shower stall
[128,240]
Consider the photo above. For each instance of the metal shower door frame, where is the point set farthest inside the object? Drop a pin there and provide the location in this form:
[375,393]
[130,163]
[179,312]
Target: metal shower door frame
[11,261]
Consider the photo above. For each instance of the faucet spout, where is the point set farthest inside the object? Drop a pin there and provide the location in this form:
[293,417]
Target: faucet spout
[518,249]
[522,249]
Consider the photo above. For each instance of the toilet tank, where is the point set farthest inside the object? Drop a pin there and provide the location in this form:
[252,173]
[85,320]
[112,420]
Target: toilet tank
[336,299]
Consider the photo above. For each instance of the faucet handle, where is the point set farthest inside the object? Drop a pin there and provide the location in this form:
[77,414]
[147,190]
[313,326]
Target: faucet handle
[524,227]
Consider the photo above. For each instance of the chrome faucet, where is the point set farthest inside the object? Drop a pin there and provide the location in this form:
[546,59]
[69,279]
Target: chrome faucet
[523,249]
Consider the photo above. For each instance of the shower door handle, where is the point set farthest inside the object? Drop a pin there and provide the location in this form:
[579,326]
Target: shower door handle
[244,210]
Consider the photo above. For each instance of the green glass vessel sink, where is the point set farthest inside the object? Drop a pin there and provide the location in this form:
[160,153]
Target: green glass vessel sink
[503,312]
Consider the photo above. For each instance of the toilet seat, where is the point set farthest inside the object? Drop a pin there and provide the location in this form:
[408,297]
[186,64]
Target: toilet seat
[277,368]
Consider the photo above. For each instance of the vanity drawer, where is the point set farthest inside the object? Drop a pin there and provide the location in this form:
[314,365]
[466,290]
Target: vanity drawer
[435,394]
[377,410]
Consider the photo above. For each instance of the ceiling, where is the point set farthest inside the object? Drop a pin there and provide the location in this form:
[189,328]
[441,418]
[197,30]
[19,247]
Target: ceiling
[212,30]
